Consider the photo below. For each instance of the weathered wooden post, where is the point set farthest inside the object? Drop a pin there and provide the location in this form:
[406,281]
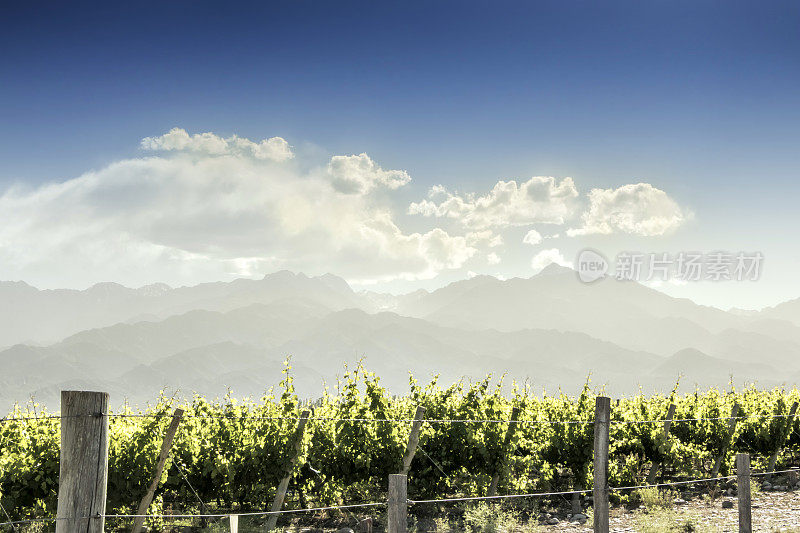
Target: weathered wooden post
[138,522]
[234,523]
[743,492]
[498,469]
[398,504]
[413,440]
[653,474]
[280,494]
[602,423]
[731,430]
[83,468]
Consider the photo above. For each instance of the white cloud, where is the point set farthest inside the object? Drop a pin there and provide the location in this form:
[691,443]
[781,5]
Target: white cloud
[177,139]
[545,257]
[484,238]
[206,207]
[207,210]
[438,249]
[538,200]
[638,209]
[533,237]
[358,174]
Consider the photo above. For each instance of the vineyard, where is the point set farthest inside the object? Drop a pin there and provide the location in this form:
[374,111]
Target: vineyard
[229,455]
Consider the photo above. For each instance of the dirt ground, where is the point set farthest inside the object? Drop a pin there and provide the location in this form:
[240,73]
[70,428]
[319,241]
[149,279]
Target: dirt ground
[772,511]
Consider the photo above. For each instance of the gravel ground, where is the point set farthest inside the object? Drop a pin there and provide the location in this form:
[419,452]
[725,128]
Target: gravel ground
[772,511]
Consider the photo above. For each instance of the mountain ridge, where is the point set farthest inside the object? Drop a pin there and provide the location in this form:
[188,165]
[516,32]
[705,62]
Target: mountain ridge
[549,328]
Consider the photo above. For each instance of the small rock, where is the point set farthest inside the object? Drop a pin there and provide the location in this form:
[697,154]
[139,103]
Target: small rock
[679,501]
[579,518]
[727,504]
[345,530]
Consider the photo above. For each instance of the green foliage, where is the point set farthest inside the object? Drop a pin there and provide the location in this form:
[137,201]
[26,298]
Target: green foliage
[483,517]
[233,453]
[652,498]
[670,521]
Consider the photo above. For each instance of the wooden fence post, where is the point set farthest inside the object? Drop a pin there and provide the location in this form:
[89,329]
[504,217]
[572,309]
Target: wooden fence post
[498,468]
[413,440]
[731,430]
[138,522]
[602,423]
[280,494]
[398,503]
[774,458]
[743,492]
[234,523]
[83,468]
[653,474]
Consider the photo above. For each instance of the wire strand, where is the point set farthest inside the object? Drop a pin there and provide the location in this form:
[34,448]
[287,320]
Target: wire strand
[409,501]
[401,420]
[255,513]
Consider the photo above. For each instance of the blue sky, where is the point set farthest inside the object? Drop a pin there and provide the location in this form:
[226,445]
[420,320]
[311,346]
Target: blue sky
[699,99]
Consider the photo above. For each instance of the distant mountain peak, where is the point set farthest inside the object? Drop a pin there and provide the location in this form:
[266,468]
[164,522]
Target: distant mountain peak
[154,289]
[555,269]
[689,354]
[107,287]
[17,285]
[280,274]
[335,282]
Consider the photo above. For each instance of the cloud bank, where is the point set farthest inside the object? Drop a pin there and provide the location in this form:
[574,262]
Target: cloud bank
[638,209]
[211,207]
[540,200]
[178,140]
[199,207]
[358,174]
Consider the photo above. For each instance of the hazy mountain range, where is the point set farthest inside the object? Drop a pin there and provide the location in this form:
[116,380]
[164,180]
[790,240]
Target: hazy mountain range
[550,330]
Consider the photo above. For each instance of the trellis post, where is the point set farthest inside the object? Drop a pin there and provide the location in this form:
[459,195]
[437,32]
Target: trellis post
[138,522]
[602,423]
[83,465]
[398,504]
[731,430]
[413,440]
[283,486]
[743,492]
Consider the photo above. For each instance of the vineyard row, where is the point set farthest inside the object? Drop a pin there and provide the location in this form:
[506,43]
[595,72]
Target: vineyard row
[235,455]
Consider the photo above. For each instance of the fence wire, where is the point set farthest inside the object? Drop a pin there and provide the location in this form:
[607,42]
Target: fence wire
[409,501]
[399,420]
